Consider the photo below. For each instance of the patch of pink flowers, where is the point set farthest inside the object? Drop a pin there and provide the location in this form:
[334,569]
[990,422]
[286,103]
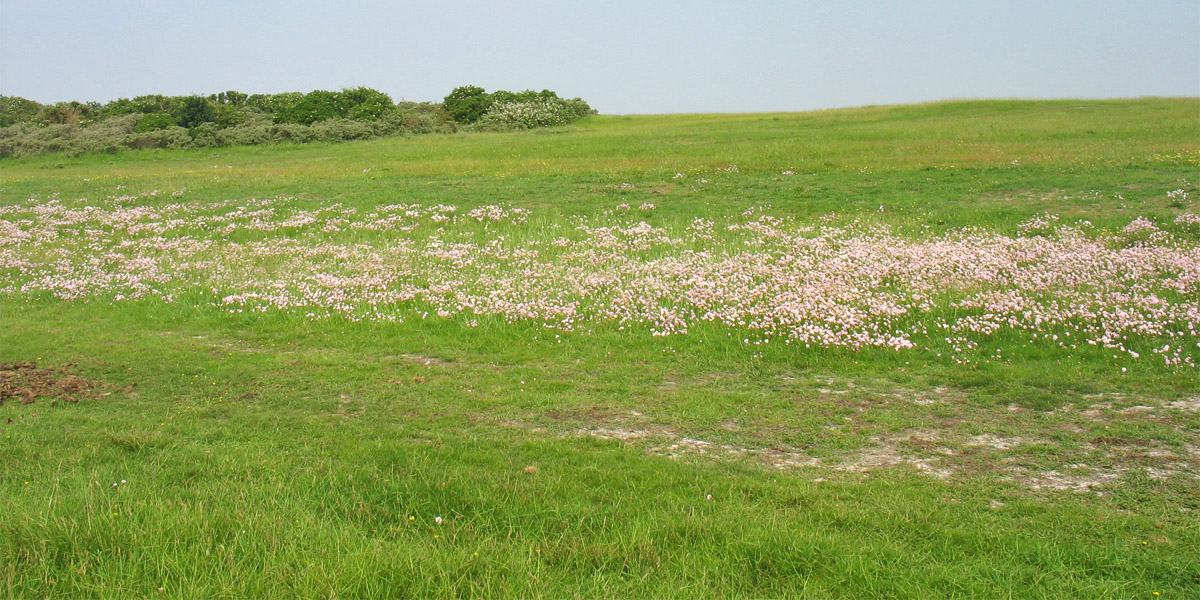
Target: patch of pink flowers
[763,278]
[1140,225]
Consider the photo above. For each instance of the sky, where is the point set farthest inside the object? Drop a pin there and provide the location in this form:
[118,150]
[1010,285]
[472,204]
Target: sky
[622,56]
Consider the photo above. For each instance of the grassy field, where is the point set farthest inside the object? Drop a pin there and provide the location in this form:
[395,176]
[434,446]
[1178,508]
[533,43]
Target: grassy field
[940,350]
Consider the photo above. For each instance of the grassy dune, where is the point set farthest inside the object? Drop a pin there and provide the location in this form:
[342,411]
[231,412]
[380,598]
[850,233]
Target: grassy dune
[940,350]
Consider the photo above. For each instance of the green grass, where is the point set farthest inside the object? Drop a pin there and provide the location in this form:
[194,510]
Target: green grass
[269,454]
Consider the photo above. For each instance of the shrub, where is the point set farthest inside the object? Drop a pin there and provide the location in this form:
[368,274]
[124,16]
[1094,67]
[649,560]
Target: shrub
[254,116]
[282,133]
[360,104]
[274,104]
[505,97]
[155,103]
[388,124]
[203,135]
[315,106]
[467,104]
[539,112]
[228,115]
[19,140]
[194,112]
[104,136]
[114,127]
[424,117]
[233,118]
[333,130]
[64,113]
[154,122]
[15,109]
[243,135]
[366,104]
[503,109]
[110,135]
[171,137]
[230,98]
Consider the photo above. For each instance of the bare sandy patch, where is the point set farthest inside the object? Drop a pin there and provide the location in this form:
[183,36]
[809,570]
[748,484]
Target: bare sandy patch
[1190,404]
[1080,479]
[996,442]
[885,451]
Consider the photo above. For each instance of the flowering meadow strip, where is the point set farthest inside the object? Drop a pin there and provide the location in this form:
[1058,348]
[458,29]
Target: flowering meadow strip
[762,278]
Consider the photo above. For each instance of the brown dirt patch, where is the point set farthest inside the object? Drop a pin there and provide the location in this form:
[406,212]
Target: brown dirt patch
[27,382]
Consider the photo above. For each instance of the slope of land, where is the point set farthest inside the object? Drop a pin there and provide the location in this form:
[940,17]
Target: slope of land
[940,350]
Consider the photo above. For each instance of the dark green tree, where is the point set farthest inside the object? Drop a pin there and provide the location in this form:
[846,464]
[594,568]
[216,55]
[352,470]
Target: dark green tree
[194,112]
[467,104]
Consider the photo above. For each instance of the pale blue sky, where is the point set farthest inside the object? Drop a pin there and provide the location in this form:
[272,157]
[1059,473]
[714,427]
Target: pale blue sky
[623,56]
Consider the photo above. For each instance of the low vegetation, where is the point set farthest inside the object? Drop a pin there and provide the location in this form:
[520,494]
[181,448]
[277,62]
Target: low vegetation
[941,350]
[232,118]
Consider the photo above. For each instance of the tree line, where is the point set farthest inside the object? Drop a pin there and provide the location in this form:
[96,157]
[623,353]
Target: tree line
[234,118]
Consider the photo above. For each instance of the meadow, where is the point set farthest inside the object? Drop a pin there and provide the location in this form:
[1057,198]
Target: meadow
[941,350]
